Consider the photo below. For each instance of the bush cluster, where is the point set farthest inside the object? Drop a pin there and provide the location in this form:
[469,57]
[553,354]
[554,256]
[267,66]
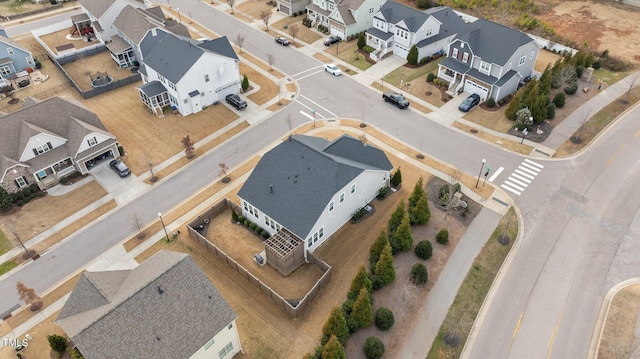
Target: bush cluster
[323,29]
[443,236]
[384,318]
[424,249]
[306,22]
[252,226]
[373,348]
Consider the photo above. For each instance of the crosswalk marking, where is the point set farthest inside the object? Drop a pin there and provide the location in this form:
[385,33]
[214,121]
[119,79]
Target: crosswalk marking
[522,177]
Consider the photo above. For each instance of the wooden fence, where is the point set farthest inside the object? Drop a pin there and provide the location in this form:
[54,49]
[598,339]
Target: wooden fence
[294,309]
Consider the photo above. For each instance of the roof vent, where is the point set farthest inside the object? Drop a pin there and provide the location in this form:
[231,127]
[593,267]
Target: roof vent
[158,338]
[271,188]
[209,297]
[160,291]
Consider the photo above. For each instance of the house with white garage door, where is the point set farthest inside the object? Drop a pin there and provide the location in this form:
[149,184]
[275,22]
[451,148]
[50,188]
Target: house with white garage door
[488,59]
[186,74]
[343,17]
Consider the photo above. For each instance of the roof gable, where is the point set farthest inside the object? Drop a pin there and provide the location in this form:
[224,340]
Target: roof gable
[492,42]
[134,22]
[13,44]
[97,8]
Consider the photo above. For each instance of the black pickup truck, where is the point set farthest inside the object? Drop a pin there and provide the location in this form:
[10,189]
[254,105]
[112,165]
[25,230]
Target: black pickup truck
[396,98]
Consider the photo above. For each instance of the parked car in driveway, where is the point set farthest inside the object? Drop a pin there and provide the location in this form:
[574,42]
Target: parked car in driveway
[333,69]
[469,103]
[395,98]
[332,40]
[282,41]
[121,169]
[236,101]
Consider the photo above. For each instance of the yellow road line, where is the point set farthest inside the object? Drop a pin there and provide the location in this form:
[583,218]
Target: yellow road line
[515,331]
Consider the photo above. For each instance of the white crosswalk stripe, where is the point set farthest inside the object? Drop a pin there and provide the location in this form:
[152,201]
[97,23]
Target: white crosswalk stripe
[522,177]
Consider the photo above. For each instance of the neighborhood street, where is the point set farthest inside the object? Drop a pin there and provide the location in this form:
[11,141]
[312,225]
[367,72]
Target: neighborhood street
[580,225]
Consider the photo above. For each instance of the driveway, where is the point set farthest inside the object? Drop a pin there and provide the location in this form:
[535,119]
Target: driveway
[122,189]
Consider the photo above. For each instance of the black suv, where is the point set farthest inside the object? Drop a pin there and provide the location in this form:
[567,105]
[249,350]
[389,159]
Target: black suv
[332,40]
[236,101]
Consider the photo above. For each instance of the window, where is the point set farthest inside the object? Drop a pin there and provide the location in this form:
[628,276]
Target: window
[42,148]
[331,7]
[272,224]
[429,31]
[371,10]
[321,232]
[10,50]
[245,205]
[485,67]
[186,100]
[277,227]
[353,188]
[454,53]
[531,57]
[257,213]
[29,60]
[226,350]
[266,220]
[522,60]
[509,67]
[315,237]
[209,344]
[21,181]
[341,197]
[161,78]
[5,70]
[173,86]
[310,242]
[206,78]
[465,57]
[92,141]
[330,206]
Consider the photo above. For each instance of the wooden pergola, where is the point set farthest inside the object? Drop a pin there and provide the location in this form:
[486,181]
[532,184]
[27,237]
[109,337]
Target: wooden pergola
[285,251]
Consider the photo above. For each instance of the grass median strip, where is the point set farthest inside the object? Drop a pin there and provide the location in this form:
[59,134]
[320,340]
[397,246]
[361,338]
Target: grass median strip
[471,294]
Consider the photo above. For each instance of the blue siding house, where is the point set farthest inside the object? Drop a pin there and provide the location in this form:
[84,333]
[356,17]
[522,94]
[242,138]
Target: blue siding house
[13,58]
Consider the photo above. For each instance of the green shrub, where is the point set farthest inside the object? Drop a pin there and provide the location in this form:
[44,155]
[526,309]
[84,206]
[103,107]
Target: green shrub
[26,200]
[57,343]
[234,216]
[26,192]
[491,102]
[571,88]
[20,203]
[376,281]
[424,249]
[423,4]
[121,150]
[443,236]
[368,49]
[352,324]
[412,57]
[252,226]
[559,99]
[362,41]
[597,64]
[373,348]
[40,194]
[551,111]
[430,77]
[33,195]
[258,230]
[246,222]
[384,318]
[424,60]
[241,218]
[419,274]
[579,71]
[64,180]
[396,178]
[265,234]
[245,83]
[34,187]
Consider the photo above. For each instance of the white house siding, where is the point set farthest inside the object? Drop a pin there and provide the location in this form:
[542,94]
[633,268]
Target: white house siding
[432,48]
[38,140]
[368,183]
[99,138]
[527,68]
[506,89]
[220,342]
[221,82]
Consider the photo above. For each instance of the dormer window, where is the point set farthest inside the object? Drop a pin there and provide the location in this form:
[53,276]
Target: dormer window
[465,57]
[522,60]
[42,149]
[454,53]
[92,141]
[485,67]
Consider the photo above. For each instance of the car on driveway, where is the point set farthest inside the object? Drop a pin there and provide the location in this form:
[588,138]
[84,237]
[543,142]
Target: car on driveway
[236,101]
[395,98]
[121,169]
[469,103]
[332,40]
[333,69]
[282,41]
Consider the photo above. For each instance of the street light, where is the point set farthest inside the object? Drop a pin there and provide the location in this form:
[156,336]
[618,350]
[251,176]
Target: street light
[179,17]
[163,226]
[480,174]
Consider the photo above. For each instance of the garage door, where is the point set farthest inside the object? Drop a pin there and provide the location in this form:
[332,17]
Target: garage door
[400,51]
[336,32]
[228,89]
[284,9]
[472,87]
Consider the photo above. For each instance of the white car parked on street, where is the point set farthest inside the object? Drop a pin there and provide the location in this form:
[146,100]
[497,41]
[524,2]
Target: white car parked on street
[332,69]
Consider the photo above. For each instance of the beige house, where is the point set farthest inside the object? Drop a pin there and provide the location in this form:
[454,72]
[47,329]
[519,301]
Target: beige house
[48,140]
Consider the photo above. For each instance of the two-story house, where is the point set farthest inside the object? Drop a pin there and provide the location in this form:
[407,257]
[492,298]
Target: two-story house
[47,140]
[164,308]
[396,28]
[13,58]
[132,24]
[186,74]
[488,59]
[310,186]
[343,17]
[102,14]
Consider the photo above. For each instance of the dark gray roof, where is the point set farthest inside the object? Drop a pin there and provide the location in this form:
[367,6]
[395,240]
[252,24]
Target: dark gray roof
[55,116]
[451,24]
[165,308]
[118,45]
[318,9]
[455,65]
[80,18]
[152,88]
[393,12]
[306,172]
[172,56]
[379,33]
[475,73]
[506,77]
[492,42]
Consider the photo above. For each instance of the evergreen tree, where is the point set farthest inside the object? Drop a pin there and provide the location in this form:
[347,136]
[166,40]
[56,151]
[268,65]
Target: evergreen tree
[245,83]
[362,310]
[396,217]
[396,178]
[403,239]
[384,267]
[5,199]
[418,192]
[376,249]
[362,41]
[57,342]
[421,213]
[412,57]
[515,105]
[336,325]
[333,349]
[361,280]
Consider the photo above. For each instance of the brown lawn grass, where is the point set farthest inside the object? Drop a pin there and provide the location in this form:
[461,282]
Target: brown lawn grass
[41,214]
[278,105]
[347,51]
[495,120]
[618,335]
[39,345]
[261,64]
[82,69]
[252,9]
[58,38]
[498,141]
[291,87]
[322,58]
[305,34]
[268,88]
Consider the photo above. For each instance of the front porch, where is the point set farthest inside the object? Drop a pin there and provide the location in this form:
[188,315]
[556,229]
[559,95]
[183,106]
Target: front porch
[381,41]
[50,175]
[318,16]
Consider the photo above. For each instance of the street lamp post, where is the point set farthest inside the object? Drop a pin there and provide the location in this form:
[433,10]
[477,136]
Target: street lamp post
[163,226]
[179,17]
[480,174]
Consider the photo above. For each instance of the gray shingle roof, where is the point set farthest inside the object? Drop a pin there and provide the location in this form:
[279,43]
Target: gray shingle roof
[306,172]
[393,12]
[165,308]
[172,56]
[56,116]
[152,88]
[492,42]
[451,24]
[134,22]
[9,41]
[118,45]
[97,8]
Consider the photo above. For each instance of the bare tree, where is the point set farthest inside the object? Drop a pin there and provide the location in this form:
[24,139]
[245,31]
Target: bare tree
[239,41]
[293,31]
[584,117]
[271,60]
[457,324]
[188,147]
[29,296]
[153,178]
[231,3]
[632,82]
[265,16]
[565,79]
[449,199]
[28,253]
[136,221]
[223,172]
